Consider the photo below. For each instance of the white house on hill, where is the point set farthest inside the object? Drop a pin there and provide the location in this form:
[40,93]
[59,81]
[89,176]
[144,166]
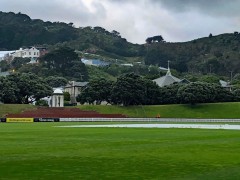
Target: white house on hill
[32,53]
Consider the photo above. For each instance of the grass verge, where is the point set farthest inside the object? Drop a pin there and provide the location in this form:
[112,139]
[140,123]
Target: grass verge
[211,110]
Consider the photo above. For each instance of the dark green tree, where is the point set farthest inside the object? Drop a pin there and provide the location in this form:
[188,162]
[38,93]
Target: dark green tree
[18,62]
[97,90]
[9,91]
[152,92]
[30,87]
[128,90]
[55,81]
[4,66]
[65,62]
[196,92]
[66,96]
[168,94]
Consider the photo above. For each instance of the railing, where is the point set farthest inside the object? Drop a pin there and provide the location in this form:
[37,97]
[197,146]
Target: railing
[144,120]
[182,120]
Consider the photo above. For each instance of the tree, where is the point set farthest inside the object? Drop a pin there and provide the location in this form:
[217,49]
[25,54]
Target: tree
[4,65]
[98,90]
[149,40]
[168,94]
[59,60]
[29,87]
[115,33]
[18,62]
[128,90]
[55,81]
[78,71]
[66,96]
[9,91]
[64,62]
[196,92]
[152,92]
[157,38]
[211,78]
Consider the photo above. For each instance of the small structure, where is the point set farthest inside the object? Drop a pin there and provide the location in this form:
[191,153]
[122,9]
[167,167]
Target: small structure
[57,98]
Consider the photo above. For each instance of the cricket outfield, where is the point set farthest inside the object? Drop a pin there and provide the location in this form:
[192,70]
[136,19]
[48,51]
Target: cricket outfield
[44,151]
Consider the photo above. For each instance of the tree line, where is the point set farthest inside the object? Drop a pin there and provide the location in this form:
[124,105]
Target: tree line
[131,89]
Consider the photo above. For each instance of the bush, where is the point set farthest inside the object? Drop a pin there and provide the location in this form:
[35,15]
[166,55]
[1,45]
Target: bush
[41,103]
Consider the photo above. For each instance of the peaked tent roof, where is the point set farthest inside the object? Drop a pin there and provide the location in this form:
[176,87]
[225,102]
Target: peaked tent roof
[167,79]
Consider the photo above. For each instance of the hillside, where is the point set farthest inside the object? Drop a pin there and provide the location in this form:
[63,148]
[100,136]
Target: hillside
[217,54]
[18,30]
[214,54]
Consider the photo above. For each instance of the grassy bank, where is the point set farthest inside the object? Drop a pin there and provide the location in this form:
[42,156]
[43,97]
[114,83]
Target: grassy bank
[13,108]
[43,151]
[216,110]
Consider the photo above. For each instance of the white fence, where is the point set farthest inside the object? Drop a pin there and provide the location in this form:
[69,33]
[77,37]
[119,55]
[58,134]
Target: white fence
[144,120]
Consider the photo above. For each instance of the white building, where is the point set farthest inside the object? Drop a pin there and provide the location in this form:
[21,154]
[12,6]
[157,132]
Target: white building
[31,53]
[57,99]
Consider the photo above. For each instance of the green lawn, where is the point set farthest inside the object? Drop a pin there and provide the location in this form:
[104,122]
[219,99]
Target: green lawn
[211,110]
[42,151]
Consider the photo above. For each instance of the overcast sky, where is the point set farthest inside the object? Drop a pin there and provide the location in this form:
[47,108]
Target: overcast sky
[175,20]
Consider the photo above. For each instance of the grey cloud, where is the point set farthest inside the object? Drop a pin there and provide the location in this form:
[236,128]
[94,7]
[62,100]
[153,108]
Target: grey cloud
[57,10]
[210,7]
[176,20]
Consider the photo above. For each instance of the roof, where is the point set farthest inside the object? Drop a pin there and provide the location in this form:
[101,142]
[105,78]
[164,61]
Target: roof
[224,83]
[166,80]
[4,74]
[57,91]
[95,62]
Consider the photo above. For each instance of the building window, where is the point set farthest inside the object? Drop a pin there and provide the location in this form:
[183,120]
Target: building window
[29,53]
[34,53]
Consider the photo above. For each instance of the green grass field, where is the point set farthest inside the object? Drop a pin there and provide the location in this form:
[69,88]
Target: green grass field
[42,151]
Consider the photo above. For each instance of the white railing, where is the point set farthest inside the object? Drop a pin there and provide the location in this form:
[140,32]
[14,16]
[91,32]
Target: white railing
[144,120]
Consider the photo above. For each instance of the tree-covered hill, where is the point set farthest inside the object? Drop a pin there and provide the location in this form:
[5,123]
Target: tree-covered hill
[18,30]
[214,54]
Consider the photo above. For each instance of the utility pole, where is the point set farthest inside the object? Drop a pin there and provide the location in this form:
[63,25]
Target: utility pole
[210,68]
[231,80]
[231,76]
[81,76]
